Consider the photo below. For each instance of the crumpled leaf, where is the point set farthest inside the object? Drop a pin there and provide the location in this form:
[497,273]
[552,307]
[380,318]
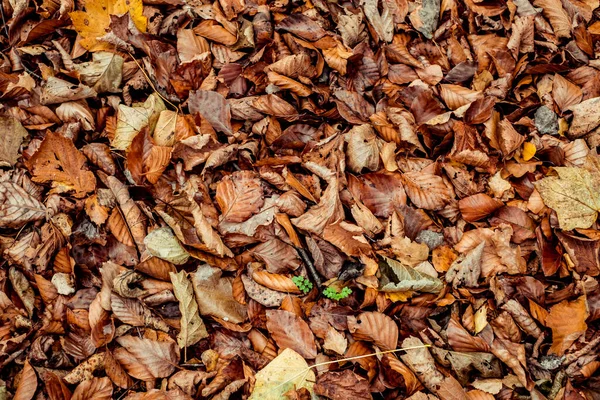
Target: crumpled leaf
[103,73]
[383,23]
[397,277]
[586,117]
[287,371]
[574,194]
[192,326]
[420,361]
[342,385]
[131,120]
[465,270]
[214,294]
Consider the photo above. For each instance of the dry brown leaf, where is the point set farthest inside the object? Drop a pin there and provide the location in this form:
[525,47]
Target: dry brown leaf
[192,326]
[239,196]
[420,361]
[160,357]
[374,327]
[558,17]
[115,371]
[27,383]
[214,294]
[290,331]
[278,282]
[565,93]
[456,96]
[12,133]
[426,191]
[95,388]
[18,207]
[58,162]
[567,321]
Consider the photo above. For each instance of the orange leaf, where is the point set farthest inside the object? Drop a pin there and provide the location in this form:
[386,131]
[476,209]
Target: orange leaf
[93,389]
[375,327]
[567,321]
[58,161]
[27,383]
[290,331]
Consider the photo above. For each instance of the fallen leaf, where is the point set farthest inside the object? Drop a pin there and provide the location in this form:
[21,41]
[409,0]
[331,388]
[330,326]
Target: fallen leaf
[573,195]
[290,332]
[13,134]
[96,388]
[342,385]
[192,326]
[131,120]
[159,357]
[214,108]
[240,196]
[397,277]
[18,207]
[287,371]
[92,23]
[27,384]
[163,244]
[420,361]
[567,321]
[374,327]
[58,162]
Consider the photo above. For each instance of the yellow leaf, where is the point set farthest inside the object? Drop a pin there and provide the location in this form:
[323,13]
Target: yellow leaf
[399,296]
[286,372]
[573,194]
[528,151]
[92,23]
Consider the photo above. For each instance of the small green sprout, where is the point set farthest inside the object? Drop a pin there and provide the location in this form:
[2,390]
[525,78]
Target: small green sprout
[333,294]
[303,284]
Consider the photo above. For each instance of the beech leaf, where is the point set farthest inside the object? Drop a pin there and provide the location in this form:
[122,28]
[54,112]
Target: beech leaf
[574,194]
[192,326]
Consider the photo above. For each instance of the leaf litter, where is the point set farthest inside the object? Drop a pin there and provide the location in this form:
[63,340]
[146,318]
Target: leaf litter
[301,200]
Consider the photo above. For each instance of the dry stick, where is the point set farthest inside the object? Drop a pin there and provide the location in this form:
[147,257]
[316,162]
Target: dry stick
[285,222]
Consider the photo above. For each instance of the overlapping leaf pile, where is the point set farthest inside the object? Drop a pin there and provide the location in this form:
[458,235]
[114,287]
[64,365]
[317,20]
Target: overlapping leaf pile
[267,200]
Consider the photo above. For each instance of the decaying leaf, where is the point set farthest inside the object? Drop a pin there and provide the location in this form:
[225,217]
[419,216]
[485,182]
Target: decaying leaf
[397,277]
[192,326]
[58,162]
[291,332]
[160,357]
[12,133]
[288,371]
[573,194]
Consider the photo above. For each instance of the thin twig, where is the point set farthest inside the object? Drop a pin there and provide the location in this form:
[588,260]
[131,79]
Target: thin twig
[309,265]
